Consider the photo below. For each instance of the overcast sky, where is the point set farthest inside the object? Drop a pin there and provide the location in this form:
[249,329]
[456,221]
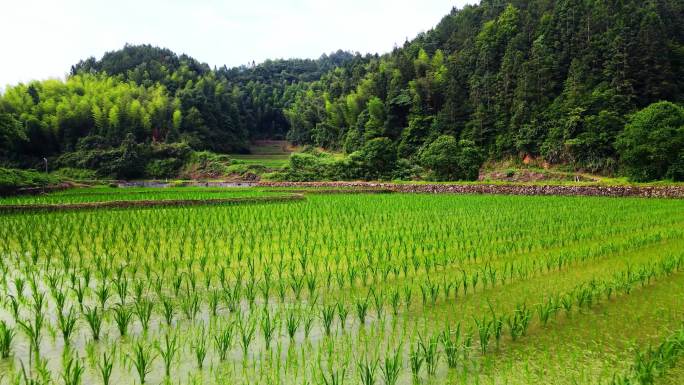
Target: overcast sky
[43,38]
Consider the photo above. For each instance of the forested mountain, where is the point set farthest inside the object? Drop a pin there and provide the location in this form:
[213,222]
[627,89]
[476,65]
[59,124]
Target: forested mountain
[156,96]
[258,92]
[553,79]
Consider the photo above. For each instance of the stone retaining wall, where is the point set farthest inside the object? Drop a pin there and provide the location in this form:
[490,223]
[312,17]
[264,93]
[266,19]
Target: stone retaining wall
[607,191]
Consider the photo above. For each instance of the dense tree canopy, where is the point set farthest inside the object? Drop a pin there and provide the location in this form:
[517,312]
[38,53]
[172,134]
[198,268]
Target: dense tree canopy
[452,160]
[652,145]
[555,79]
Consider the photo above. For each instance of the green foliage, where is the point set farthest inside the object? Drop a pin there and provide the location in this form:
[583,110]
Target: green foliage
[304,167]
[75,173]
[548,79]
[652,145]
[13,179]
[451,160]
[11,133]
[378,158]
[163,168]
[515,80]
[129,160]
[205,164]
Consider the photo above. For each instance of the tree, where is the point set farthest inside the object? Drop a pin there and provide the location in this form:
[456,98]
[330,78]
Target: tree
[379,157]
[652,142]
[11,133]
[452,160]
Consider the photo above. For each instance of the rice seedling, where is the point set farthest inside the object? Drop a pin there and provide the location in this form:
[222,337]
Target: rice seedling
[6,337]
[391,367]
[333,376]
[143,310]
[223,341]
[308,319]
[214,298]
[142,358]
[103,292]
[67,324]
[484,330]
[545,310]
[33,331]
[200,348]
[268,327]
[342,312]
[106,367]
[190,305]
[168,351]
[430,353]
[651,363]
[367,369]
[497,328]
[94,319]
[15,306]
[451,340]
[122,318]
[327,316]
[72,372]
[247,329]
[292,322]
[416,359]
[361,310]
[519,321]
[168,311]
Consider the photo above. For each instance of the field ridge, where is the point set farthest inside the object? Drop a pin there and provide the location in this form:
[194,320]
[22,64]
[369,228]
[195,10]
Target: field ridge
[509,189]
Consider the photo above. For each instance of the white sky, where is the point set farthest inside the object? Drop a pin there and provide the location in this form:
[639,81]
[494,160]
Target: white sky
[40,39]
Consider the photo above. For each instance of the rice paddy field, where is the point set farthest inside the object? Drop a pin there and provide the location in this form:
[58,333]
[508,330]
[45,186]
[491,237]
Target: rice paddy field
[343,289]
[105,194]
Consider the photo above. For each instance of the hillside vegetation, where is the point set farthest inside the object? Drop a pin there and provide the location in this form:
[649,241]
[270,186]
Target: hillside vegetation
[593,85]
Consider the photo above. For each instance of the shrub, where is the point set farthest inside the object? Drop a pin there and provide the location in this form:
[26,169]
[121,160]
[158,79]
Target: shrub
[676,170]
[652,142]
[13,179]
[124,162]
[407,170]
[205,164]
[76,173]
[379,158]
[309,167]
[163,168]
[452,160]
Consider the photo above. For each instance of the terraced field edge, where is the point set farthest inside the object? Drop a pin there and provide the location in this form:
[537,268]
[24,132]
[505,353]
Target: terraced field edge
[606,191]
[147,203]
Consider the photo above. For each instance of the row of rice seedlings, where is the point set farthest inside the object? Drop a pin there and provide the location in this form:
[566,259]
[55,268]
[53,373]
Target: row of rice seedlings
[653,362]
[424,353]
[185,294]
[126,195]
[429,290]
[517,322]
[94,319]
[415,257]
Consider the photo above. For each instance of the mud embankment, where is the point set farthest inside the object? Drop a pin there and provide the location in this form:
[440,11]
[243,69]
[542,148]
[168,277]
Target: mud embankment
[147,203]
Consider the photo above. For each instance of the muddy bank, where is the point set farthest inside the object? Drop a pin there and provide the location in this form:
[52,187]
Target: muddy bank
[605,191]
[162,184]
[148,203]
[322,191]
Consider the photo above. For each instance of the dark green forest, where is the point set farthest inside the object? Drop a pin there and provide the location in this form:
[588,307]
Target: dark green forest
[596,85]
